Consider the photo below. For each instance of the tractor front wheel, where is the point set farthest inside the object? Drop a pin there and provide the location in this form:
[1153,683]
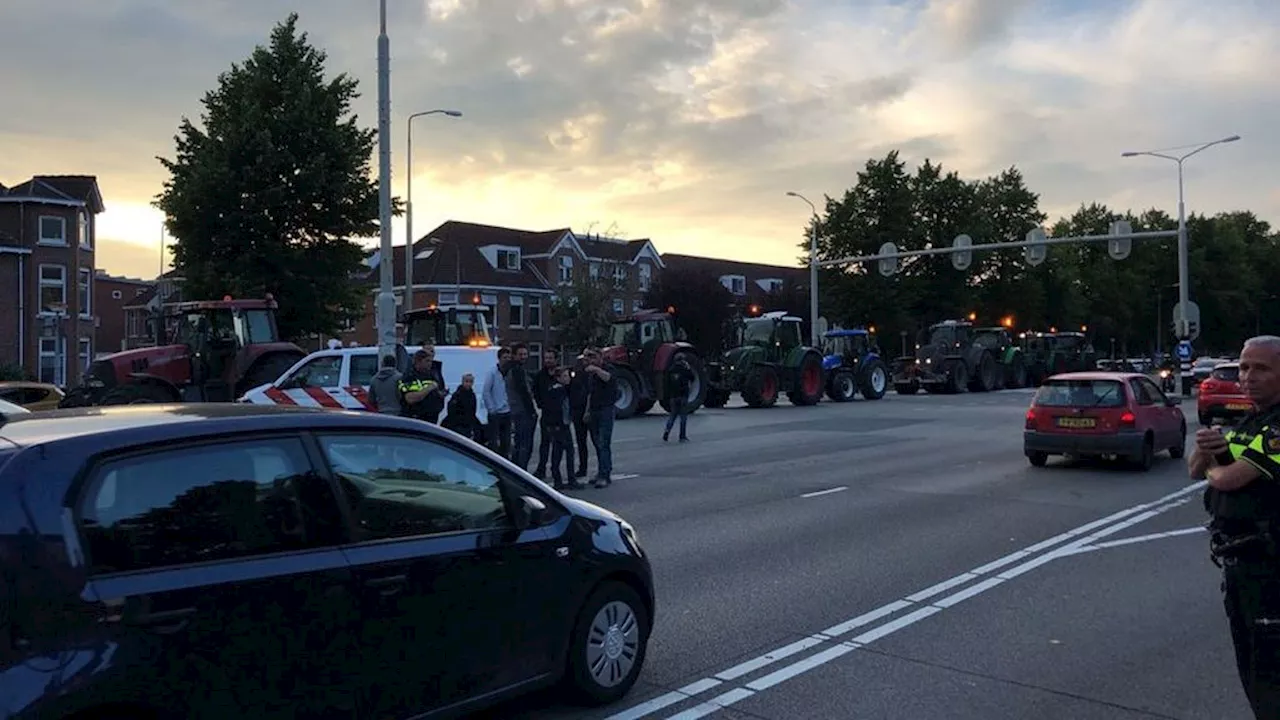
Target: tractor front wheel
[138,395]
[628,399]
[875,380]
[842,386]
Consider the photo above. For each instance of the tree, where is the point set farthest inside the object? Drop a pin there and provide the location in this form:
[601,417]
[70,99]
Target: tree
[703,306]
[265,197]
[582,312]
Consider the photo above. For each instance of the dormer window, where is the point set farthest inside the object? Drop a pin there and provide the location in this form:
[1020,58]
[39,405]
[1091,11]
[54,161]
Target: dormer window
[646,277]
[737,284]
[770,285]
[619,275]
[508,259]
[566,269]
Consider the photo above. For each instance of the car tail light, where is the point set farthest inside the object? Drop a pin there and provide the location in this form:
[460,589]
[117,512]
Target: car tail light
[1209,386]
[1128,419]
[1031,419]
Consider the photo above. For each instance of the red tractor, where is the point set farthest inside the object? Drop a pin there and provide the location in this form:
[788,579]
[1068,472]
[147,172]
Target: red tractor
[217,351]
[642,347]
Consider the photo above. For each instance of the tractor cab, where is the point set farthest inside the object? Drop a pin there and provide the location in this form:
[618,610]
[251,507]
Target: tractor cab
[775,331]
[995,339]
[219,334]
[852,344]
[448,326]
[635,339]
[947,334]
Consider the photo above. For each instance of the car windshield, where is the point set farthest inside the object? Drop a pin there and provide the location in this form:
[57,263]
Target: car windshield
[1229,373]
[1080,393]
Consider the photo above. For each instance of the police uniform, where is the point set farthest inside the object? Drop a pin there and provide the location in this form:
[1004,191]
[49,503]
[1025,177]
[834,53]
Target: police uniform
[1245,542]
[415,380]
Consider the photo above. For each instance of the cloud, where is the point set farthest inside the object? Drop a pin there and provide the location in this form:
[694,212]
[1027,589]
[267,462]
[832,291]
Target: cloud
[683,120]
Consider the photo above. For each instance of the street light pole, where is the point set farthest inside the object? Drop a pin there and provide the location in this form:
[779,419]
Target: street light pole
[813,273]
[1184,285]
[408,203]
[386,308]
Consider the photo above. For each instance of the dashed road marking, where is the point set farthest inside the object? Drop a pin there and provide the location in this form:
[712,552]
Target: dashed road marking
[828,491]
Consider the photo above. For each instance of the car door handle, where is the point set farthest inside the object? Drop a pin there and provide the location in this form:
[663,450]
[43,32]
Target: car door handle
[388,584]
[163,620]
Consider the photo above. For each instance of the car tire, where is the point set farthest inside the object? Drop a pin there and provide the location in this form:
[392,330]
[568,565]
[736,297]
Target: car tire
[1177,452]
[1147,458]
[608,645]
[1038,459]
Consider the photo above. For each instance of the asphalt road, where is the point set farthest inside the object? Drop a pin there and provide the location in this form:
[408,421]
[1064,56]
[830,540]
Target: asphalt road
[901,559]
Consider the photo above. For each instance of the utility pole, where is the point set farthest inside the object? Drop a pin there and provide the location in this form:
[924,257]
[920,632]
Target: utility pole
[386,306]
[814,340]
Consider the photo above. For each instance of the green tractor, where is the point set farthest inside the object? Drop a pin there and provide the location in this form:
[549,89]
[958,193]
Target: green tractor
[1055,352]
[1008,355]
[769,358]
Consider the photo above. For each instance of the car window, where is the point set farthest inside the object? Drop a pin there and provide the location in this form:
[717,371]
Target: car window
[1081,393]
[1141,392]
[1231,373]
[1157,395]
[402,486]
[210,502]
[363,368]
[13,395]
[321,372]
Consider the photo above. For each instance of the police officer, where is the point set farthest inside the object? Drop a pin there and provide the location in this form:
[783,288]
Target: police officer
[422,388]
[1242,467]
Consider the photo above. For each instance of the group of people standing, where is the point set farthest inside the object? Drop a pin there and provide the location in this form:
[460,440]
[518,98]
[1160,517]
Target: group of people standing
[566,406]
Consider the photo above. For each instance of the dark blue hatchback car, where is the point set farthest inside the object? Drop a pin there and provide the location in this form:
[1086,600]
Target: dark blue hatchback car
[222,561]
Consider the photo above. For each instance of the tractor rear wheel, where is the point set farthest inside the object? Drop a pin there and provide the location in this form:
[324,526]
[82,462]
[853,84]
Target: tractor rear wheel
[875,380]
[808,383]
[1017,373]
[628,401]
[958,374]
[984,376]
[842,386]
[761,387]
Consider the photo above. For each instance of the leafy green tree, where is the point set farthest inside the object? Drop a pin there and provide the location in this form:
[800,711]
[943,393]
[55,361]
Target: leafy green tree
[703,306]
[581,313]
[265,198]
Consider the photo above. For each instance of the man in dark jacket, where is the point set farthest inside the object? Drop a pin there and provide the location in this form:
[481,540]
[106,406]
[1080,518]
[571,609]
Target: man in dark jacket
[679,382]
[578,408]
[524,413]
[602,393]
[423,386]
[542,384]
[461,417]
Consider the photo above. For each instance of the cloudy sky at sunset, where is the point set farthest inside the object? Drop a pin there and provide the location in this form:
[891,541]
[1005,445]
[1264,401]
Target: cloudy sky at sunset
[684,121]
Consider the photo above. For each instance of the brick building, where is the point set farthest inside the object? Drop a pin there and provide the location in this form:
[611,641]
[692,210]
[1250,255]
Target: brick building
[117,328]
[517,273]
[750,283]
[47,313]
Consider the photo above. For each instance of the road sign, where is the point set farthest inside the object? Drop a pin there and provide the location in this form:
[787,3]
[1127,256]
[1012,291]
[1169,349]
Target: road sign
[1119,248]
[1035,254]
[888,266]
[1191,330]
[963,259]
[1184,350]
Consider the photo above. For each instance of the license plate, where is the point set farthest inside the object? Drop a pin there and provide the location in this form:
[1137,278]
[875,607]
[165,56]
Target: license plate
[1077,422]
[1239,406]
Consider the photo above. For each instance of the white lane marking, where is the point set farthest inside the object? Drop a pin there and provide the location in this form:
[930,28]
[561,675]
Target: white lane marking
[626,476]
[715,704]
[828,491]
[1140,539]
[672,698]
[781,653]
[794,669]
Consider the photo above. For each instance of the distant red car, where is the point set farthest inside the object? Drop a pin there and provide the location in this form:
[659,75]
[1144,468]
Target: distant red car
[1221,396]
[1104,414]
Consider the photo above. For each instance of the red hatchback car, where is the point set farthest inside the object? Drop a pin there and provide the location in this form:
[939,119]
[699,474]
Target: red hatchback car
[1220,395]
[1104,414]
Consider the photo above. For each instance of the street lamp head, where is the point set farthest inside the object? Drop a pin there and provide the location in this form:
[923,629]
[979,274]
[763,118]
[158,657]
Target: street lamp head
[791,194]
[1129,154]
[452,113]
[1233,138]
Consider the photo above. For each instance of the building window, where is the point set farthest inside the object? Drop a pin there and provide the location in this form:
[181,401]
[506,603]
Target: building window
[636,306]
[594,271]
[535,312]
[617,306]
[619,275]
[53,230]
[86,239]
[515,318]
[86,292]
[449,298]
[508,259]
[736,284]
[53,288]
[53,368]
[646,277]
[116,295]
[489,299]
[86,353]
[535,353]
[566,269]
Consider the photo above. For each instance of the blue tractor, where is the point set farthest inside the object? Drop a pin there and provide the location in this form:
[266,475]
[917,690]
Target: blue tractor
[851,361]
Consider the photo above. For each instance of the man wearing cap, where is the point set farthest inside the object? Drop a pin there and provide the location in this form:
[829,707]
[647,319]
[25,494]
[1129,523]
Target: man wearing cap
[423,386]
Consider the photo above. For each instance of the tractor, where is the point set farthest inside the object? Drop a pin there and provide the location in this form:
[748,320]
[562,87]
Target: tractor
[642,348]
[1008,354]
[852,364]
[217,350]
[770,357]
[948,359]
[1055,352]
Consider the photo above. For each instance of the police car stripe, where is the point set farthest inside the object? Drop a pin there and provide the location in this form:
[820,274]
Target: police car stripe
[279,397]
[322,398]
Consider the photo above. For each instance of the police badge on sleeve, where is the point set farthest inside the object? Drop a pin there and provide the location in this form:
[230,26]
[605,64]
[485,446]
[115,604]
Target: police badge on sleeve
[1271,440]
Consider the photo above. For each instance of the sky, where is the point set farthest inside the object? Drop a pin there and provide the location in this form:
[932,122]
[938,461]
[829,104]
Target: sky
[683,121]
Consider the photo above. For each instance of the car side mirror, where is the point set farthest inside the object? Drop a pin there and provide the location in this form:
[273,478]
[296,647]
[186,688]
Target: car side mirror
[529,512]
